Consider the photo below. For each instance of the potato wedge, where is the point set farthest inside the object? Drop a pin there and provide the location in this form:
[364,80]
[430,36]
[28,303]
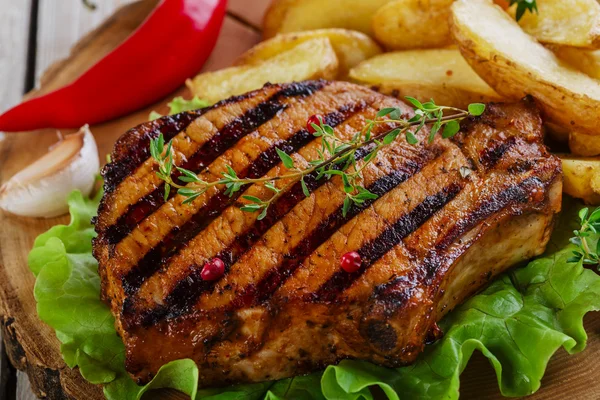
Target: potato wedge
[413,24]
[582,178]
[587,61]
[564,22]
[313,59]
[285,16]
[351,47]
[584,145]
[442,75]
[515,64]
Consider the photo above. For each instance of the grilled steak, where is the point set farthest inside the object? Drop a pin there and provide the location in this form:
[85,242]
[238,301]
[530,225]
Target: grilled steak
[450,215]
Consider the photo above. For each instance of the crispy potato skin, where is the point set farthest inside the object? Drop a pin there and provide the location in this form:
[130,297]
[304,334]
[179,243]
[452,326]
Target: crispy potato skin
[568,97]
[582,178]
[413,24]
[285,16]
[313,59]
[587,61]
[351,47]
[440,74]
[585,145]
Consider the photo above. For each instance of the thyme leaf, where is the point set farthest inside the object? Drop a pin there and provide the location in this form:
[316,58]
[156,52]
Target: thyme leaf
[588,246]
[336,157]
[523,6]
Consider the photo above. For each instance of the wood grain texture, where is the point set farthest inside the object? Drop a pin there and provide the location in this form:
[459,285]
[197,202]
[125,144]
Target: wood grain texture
[62,23]
[14,32]
[53,50]
[33,347]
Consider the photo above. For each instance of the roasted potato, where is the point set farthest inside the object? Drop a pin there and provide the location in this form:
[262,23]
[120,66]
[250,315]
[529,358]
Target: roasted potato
[440,74]
[515,64]
[351,47]
[285,16]
[564,22]
[582,178]
[413,24]
[312,59]
[587,61]
[584,145]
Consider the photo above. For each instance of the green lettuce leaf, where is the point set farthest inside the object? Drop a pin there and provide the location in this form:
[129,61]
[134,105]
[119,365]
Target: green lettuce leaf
[67,291]
[179,105]
[518,322]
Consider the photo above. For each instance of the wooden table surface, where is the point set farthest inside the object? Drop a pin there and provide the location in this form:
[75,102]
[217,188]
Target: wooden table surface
[33,35]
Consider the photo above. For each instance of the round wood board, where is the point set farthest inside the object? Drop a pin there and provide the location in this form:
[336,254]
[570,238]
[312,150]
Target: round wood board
[32,346]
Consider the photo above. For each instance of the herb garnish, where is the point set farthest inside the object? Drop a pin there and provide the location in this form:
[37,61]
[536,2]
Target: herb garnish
[523,6]
[588,252]
[336,157]
[90,5]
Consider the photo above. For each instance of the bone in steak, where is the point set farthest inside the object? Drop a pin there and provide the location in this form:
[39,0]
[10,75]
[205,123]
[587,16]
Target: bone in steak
[284,306]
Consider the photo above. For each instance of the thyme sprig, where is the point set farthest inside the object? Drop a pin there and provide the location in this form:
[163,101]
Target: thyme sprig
[336,157]
[90,5]
[588,251]
[523,6]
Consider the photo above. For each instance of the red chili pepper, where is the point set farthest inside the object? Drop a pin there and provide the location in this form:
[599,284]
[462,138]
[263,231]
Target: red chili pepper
[169,47]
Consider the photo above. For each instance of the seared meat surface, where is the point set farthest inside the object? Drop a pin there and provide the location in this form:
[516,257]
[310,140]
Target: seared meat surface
[450,216]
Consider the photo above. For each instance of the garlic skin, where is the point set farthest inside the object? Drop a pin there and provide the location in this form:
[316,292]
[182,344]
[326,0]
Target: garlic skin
[42,188]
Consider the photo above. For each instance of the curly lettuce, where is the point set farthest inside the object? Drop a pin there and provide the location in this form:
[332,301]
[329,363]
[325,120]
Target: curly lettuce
[518,323]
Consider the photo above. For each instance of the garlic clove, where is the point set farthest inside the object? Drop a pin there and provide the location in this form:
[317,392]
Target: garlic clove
[42,188]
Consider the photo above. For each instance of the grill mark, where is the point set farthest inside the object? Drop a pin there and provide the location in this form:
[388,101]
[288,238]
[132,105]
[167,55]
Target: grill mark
[178,238]
[187,291]
[518,193]
[266,287]
[388,239]
[180,300]
[138,151]
[209,152]
[395,293]
[490,156]
[128,155]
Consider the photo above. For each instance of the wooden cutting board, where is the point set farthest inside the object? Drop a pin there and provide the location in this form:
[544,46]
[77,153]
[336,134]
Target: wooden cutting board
[33,347]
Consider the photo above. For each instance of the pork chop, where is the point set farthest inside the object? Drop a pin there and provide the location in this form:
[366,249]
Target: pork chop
[449,217]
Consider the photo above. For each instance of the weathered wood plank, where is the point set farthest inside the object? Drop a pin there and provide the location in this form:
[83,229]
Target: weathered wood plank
[14,32]
[62,23]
